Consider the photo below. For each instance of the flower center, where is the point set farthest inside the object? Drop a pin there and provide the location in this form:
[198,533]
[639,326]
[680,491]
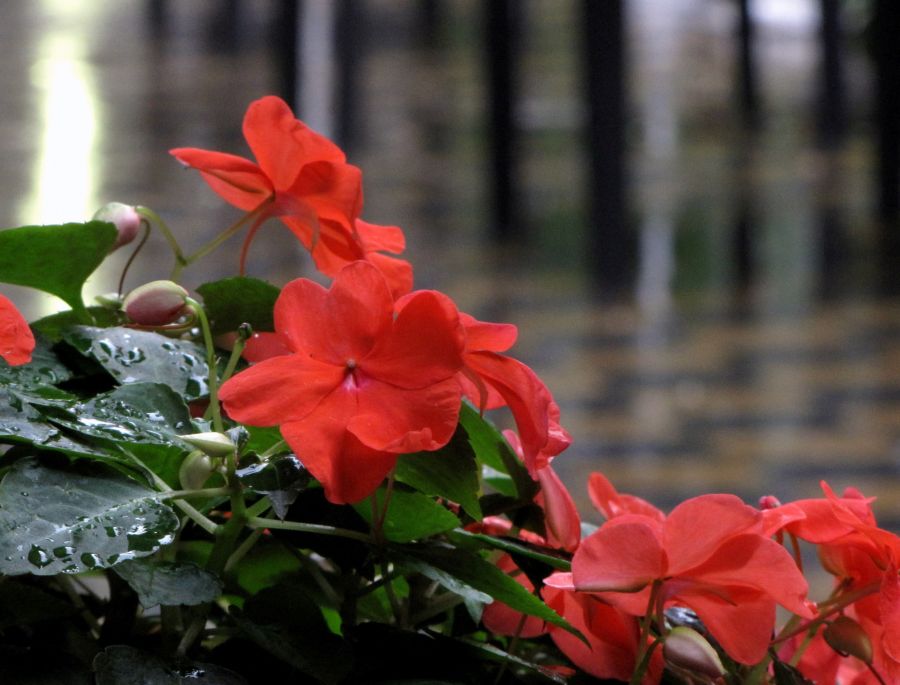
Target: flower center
[350,364]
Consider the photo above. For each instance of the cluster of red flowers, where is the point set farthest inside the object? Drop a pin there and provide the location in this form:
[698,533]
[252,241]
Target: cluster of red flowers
[725,561]
[366,370]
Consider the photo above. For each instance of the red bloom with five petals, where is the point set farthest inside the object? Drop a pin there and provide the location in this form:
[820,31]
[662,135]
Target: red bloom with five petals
[359,386]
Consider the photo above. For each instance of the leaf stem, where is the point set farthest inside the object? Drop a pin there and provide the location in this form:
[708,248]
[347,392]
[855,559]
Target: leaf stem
[317,528]
[214,407]
[230,231]
[644,652]
[154,218]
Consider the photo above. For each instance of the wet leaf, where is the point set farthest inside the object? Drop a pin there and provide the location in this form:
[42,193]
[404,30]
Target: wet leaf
[169,583]
[45,368]
[124,665]
[410,515]
[281,479]
[55,259]
[54,325]
[132,356]
[234,301]
[62,521]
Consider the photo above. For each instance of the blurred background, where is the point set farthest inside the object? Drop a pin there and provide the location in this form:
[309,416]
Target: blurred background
[688,207]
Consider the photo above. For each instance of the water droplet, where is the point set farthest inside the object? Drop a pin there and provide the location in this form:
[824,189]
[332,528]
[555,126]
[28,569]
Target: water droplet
[38,557]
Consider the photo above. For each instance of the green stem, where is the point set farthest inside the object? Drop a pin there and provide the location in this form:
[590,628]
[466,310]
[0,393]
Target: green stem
[277,524]
[826,609]
[214,407]
[645,651]
[230,231]
[273,450]
[201,492]
[235,357]
[154,218]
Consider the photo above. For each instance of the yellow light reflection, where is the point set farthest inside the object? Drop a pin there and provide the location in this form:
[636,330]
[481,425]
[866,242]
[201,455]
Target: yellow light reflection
[63,184]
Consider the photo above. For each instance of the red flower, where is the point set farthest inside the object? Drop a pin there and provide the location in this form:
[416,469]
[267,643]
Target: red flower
[613,636]
[16,339]
[709,555]
[359,386]
[302,178]
[492,380]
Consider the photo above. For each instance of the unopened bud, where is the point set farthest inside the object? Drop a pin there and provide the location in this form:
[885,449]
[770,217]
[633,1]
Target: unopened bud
[156,303]
[847,637]
[195,470]
[769,502]
[688,650]
[125,218]
[217,445]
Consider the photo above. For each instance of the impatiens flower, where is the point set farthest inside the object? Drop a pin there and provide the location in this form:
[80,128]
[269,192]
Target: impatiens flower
[304,179]
[492,380]
[359,386]
[16,339]
[709,555]
[612,635]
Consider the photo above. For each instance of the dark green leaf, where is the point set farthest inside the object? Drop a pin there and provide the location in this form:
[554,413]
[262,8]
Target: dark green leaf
[451,472]
[788,675]
[492,450]
[234,301]
[62,521]
[410,515]
[281,478]
[54,325]
[461,536]
[476,572]
[288,624]
[124,665]
[169,583]
[487,652]
[133,356]
[45,368]
[23,604]
[55,259]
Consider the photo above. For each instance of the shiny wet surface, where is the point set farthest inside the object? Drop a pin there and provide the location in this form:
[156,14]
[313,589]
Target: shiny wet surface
[757,351]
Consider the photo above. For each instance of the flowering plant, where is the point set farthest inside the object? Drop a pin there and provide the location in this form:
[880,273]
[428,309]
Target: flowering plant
[250,483]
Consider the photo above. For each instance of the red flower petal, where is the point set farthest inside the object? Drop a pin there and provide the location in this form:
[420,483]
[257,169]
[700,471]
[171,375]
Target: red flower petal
[698,526]
[625,555]
[235,179]
[281,143]
[423,347]
[338,324]
[611,503]
[485,336]
[560,513]
[333,190]
[16,338]
[744,629]
[279,389]
[404,421]
[375,238]
[348,470]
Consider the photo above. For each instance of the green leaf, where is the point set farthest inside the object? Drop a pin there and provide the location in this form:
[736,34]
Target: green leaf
[22,604]
[492,450]
[234,301]
[54,325]
[463,537]
[474,571]
[280,478]
[487,652]
[288,624]
[169,583]
[45,368]
[124,665]
[451,472]
[62,521]
[55,259]
[133,356]
[410,515]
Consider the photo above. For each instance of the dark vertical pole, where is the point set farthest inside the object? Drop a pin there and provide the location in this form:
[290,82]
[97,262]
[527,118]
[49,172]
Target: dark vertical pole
[748,90]
[500,40]
[350,41]
[611,247]
[885,29]
[284,43]
[429,22]
[832,114]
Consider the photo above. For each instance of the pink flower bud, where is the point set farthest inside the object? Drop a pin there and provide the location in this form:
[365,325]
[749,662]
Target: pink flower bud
[688,650]
[846,636]
[156,303]
[125,218]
